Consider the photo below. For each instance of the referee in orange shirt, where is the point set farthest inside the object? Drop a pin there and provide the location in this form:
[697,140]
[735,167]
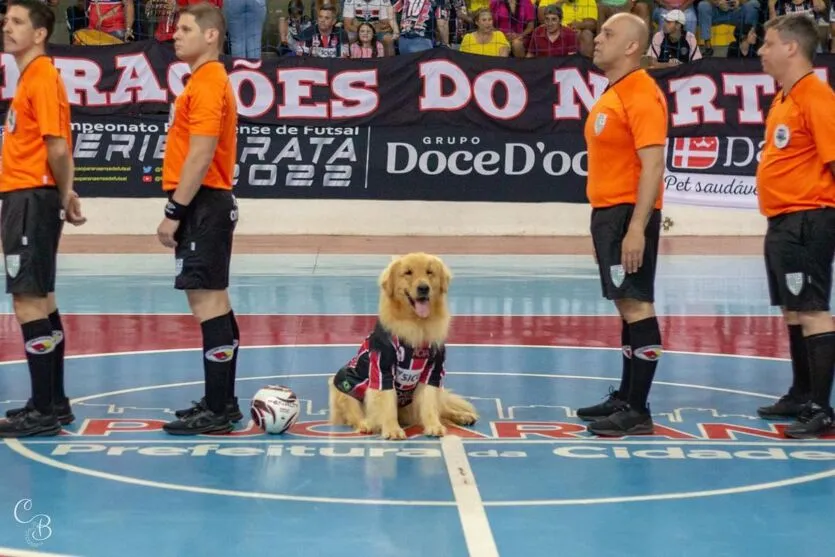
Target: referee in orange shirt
[201,213]
[36,182]
[796,191]
[626,132]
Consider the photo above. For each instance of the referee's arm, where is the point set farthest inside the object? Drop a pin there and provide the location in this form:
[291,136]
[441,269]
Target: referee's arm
[201,151]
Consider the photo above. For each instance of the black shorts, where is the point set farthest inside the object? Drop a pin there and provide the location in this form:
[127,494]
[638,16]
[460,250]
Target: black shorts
[608,228]
[31,222]
[799,248]
[204,241]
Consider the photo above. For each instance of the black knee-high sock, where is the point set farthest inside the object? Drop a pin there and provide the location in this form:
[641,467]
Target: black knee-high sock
[218,354]
[236,334]
[626,350]
[40,354]
[801,380]
[60,349]
[645,340]
[822,364]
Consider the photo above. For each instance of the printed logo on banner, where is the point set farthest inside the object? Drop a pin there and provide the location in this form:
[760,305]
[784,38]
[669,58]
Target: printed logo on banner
[695,153]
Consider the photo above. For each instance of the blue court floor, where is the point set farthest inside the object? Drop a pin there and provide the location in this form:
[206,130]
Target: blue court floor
[526,481]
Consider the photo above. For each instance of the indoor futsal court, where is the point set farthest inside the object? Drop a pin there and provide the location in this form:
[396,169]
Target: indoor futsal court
[532,340]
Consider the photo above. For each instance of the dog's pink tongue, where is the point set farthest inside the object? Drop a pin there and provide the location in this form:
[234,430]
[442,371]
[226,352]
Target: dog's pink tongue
[422,309]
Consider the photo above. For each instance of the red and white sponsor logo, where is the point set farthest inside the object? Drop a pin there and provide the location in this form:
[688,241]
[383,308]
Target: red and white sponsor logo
[697,153]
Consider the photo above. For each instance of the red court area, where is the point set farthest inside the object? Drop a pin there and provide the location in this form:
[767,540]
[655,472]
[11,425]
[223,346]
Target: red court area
[100,334]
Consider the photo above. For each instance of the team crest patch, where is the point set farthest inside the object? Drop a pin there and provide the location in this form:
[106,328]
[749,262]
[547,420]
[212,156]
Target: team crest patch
[617,275]
[178,265]
[599,123]
[220,354]
[794,282]
[781,136]
[12,265]
[11,121]
[649,353]
[40,345]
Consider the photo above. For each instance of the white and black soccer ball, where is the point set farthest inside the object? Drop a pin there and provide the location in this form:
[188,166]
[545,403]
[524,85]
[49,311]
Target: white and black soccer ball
[275,409]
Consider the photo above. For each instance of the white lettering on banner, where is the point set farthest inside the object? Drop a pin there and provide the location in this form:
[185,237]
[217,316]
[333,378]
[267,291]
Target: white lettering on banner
[262,102]
[570,87]
[351,101]
[137,81]
[710,190]
[749,88]
[82,78]
[515,93]
[519,159]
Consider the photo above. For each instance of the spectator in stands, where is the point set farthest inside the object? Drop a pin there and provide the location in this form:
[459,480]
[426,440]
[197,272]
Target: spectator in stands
[422,23]
[686,6]
[76,16]
[516,19]
[747,41]
[324,40]
[734,12]
[367,45]
[291,27]
[114,17]
[552,38]
[378,13]
[485,40]
[165,13]
[245,21]
[673,45]
[579,15]
[640,8]
[815,9]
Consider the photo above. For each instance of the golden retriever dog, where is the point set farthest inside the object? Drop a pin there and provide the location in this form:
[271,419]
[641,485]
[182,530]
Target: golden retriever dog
[395,379]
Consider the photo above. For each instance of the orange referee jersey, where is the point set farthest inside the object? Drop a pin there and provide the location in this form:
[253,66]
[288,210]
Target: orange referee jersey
[206,107]
[40,108]
[793,174]
[630,115]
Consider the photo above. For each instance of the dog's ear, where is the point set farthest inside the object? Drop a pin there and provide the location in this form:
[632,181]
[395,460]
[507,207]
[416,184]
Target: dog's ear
[446,277]
[388,277]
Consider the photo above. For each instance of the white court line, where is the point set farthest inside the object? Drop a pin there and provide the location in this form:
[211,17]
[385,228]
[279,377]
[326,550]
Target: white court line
[477,532]
[9,552]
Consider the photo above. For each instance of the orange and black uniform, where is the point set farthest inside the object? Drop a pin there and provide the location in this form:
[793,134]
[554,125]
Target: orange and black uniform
[207,107]
[32,215]
[796,192]
[629,116]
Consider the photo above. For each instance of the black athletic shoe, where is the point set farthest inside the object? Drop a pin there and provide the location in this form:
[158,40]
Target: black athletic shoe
[200,422]
[625,421]
[612,404]
[232,409]
[30,423]
[789,406]
[813,422]
[62,411]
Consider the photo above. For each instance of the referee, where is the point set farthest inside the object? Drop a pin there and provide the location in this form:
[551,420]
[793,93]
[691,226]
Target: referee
[201,213]
[625,133]
[796,191]
[36,182]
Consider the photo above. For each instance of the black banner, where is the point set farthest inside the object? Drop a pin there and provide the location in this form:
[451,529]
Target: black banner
[438,125]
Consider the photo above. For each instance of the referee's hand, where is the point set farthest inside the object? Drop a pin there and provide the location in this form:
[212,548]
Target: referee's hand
[165,232]
[72,210]
[632,251]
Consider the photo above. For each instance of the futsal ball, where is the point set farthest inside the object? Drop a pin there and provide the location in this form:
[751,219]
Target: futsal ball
[275,409]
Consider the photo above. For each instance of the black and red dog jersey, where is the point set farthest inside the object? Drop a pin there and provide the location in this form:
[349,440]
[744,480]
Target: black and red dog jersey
[385,362]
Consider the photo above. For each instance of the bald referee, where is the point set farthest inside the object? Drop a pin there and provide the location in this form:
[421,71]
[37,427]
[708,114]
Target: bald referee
[201,213]
[796,192]
[626,132]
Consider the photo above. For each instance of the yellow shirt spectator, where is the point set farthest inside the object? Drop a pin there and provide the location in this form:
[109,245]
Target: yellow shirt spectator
[574,10]
[498,45]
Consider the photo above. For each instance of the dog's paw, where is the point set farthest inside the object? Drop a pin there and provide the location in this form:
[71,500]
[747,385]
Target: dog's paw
[465,418]
[363,427]
[435,430]
[394,433]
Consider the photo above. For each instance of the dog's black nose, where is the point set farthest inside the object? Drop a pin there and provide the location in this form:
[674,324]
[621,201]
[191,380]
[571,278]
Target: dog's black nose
[423,290]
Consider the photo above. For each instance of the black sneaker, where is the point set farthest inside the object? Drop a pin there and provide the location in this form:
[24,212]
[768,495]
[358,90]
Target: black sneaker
[625,421]
[30,423]
[62,411]
[199,422]
[612,404]
[232,409]
[789,406]
[813,422]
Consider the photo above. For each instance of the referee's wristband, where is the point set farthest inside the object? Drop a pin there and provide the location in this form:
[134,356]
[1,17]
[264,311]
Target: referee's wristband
[174,210]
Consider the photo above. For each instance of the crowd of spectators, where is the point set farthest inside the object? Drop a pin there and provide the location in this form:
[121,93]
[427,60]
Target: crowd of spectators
[510,28]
